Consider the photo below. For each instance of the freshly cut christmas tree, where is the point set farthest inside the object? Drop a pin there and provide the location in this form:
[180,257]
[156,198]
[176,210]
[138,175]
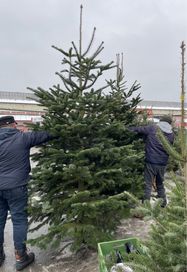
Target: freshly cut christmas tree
[80,178]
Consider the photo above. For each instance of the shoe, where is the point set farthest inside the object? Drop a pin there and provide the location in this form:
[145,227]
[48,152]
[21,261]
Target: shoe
[139,216]
[23,259]
[2,255]
[163,204]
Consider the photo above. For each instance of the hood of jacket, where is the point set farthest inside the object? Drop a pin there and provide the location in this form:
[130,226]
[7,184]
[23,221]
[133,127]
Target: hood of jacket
[7,132]
[165,127]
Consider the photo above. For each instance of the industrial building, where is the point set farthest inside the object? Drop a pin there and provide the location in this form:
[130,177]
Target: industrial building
[25,108]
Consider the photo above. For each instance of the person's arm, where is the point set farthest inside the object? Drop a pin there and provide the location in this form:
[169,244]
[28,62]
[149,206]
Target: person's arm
[35,138]
[140,130]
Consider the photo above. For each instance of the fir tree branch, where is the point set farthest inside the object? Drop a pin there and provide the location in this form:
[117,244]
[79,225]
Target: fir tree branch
[76,51]
[98,51]
[101,89]
[80,32]
[171,151]
[60,50]
[67,82]
[90,44]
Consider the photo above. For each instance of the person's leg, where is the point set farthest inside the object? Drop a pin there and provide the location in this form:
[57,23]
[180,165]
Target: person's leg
[160,184]
[149,175]
[18,210]
[2,255]
[3,217]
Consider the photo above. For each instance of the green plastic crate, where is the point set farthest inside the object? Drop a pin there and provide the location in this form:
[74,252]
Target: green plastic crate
[106,248]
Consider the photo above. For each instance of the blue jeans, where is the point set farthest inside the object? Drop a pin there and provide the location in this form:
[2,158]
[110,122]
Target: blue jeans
[15,201]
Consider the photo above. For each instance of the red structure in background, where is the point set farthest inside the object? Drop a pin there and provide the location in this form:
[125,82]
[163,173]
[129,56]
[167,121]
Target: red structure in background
[23,117]
[176,118]
[147,111]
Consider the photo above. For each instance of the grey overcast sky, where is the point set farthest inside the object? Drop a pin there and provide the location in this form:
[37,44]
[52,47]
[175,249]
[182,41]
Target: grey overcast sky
[148,32]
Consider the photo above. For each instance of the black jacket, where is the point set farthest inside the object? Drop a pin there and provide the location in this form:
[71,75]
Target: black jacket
[14,155]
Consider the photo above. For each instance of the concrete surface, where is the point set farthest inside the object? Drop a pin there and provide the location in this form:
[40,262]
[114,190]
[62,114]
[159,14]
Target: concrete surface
[43,257]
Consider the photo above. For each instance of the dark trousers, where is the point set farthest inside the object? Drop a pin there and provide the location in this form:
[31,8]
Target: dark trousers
[15,201]
[154,172]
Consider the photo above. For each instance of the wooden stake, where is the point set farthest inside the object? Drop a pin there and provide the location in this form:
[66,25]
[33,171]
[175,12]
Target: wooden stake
[80,46]
[183,130]
[183,140]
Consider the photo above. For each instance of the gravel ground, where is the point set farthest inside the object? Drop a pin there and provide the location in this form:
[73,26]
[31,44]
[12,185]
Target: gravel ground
[50,261]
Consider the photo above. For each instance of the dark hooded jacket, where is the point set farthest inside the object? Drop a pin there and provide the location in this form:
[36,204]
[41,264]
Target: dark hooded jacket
[154,150]
[14,155]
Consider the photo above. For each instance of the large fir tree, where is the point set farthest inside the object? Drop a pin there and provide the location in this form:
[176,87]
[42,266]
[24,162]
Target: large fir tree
[80,178]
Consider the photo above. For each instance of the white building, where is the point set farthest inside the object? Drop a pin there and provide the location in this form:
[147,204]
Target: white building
[25,108]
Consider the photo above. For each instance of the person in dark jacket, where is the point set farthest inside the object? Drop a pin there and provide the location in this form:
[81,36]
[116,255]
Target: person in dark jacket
[14,175]
[156,157]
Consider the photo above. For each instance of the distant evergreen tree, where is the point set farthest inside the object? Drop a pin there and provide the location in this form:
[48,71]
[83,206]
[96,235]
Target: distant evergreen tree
[80,178]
